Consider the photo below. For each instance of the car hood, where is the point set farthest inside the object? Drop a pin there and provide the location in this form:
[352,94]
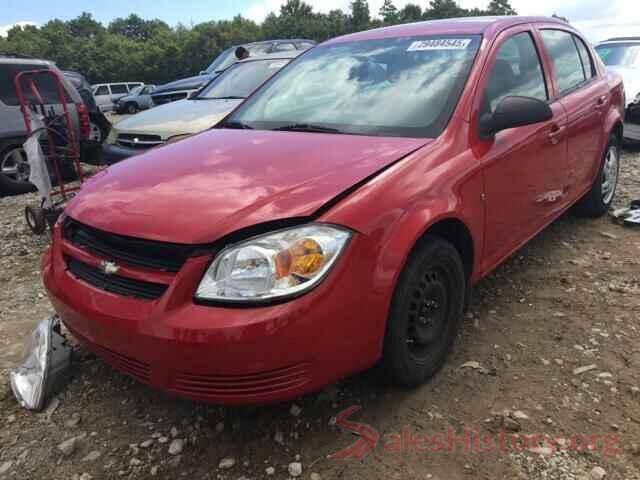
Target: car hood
[189,83]
[178,118]
[199,189]
[631,80]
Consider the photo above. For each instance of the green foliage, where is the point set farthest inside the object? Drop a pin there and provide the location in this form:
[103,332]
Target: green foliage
[135,49]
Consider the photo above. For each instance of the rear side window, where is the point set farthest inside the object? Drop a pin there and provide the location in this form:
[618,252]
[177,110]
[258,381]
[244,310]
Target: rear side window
[516,72]
[103,90]
[585,56]
[566,59]
[118,88]
[44,83]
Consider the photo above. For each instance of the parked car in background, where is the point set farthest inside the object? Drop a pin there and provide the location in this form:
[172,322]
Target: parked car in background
[99,124]
[107,94]
[622,55]
[138,99]
[338,218]
[14,167]
[181,89]
[169,122]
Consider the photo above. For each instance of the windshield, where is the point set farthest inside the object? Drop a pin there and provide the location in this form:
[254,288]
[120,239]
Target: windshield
[620,54]
[405,86]
[136,90]
[242,79]
[222,61]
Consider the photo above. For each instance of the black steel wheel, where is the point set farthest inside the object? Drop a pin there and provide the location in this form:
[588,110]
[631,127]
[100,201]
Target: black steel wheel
[425,313]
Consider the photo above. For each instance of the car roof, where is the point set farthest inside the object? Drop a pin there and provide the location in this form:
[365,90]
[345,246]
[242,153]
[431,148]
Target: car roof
[489,26]
[289,54]
[8,57]
[280,40]
[621,40]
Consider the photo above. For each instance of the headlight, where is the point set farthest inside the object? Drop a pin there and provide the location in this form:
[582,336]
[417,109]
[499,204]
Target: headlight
[45,367]
[274,265]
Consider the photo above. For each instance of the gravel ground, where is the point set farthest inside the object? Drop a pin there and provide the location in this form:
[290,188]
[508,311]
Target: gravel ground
[550,347]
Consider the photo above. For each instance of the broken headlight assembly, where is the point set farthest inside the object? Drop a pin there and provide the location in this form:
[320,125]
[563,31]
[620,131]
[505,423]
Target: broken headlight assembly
[45,368]
[276,265]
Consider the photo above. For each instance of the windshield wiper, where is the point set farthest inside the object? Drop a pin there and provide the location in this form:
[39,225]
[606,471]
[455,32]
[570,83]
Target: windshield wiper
[238,125]
[307,127]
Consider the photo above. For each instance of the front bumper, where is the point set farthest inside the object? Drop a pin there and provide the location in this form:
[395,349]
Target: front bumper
[222,354]
[113,153]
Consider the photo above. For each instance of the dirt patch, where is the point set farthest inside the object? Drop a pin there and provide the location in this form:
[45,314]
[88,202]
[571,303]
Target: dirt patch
[570,299]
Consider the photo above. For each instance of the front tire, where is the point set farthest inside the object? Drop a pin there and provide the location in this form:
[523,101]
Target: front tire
[599,199]
[131,108]
[425,313]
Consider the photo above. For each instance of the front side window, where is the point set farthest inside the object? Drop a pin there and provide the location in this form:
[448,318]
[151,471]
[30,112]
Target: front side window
[565,57]
[405,86]
[240,80]
[620,54]
[516,72]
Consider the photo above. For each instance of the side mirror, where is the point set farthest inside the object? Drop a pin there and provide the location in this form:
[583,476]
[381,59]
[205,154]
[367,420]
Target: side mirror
[514,112]
[202,72]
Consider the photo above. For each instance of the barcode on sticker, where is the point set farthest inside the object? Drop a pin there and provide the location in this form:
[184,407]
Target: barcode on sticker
[440,44]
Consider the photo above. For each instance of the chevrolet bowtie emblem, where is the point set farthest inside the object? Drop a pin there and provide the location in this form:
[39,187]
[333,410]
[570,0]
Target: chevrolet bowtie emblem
[109,268]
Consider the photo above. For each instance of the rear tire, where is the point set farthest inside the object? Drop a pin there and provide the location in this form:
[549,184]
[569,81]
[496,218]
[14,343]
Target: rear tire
[14,171]
[600,198]
[425,313]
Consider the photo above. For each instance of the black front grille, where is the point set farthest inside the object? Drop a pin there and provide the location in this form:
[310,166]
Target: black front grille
[133,251]
[114,283]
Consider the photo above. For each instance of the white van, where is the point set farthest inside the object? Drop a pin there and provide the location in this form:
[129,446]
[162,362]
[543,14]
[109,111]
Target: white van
[107,94]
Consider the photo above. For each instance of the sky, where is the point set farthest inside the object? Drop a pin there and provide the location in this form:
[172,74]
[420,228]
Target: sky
[597,19]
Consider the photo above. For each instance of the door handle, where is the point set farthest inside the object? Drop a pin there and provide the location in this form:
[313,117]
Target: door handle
[601,101]
[555,133]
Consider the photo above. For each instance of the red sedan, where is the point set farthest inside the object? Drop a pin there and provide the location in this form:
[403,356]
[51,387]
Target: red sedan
[340,216]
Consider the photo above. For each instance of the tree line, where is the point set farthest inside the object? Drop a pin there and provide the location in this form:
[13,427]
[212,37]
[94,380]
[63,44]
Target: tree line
[135,49]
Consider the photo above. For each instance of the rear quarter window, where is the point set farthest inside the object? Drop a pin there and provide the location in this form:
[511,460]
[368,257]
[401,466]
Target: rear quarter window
[119,88]
[44,83]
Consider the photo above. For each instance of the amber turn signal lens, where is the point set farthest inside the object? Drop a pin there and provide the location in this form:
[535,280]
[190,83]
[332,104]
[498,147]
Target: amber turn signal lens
[303,258]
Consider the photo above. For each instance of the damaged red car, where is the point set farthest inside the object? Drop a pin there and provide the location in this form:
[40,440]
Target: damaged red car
[341,215]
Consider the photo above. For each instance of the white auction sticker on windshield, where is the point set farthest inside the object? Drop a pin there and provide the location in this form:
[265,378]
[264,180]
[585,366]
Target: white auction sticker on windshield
[440,44]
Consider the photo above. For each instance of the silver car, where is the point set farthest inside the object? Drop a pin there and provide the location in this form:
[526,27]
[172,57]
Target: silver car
[14,168]
[622,55]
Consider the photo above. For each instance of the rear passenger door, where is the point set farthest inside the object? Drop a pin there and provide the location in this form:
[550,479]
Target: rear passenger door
[524,167]
[585,97]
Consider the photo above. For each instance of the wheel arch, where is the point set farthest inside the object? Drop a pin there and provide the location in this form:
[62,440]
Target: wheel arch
[456,232]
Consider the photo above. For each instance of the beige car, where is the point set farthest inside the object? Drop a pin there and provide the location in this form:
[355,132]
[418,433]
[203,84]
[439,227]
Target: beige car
[173,121]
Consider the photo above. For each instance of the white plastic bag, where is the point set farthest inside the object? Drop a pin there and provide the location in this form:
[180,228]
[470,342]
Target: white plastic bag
[39,173]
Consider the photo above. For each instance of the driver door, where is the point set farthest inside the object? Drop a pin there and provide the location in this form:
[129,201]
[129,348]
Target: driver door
[524,167]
